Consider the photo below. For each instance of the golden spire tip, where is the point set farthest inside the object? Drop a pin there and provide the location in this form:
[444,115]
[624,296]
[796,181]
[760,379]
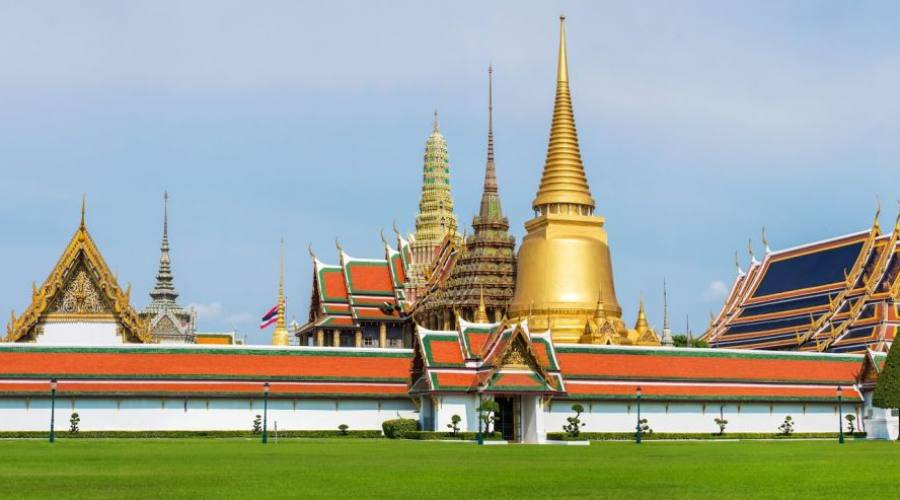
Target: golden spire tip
[83,207]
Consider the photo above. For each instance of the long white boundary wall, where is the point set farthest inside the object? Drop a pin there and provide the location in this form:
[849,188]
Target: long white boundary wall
[152,414]
[606,416]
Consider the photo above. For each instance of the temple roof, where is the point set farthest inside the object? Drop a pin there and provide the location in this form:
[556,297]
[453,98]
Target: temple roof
[80,287]
[358,290]
[509,359]
[836,295]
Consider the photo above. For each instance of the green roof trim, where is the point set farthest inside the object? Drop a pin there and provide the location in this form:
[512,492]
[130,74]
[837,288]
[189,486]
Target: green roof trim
[706,353]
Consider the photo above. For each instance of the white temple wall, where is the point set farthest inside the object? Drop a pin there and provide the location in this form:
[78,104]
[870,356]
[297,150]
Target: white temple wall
[152,414]
[603,416]
[79,334]
[464,405]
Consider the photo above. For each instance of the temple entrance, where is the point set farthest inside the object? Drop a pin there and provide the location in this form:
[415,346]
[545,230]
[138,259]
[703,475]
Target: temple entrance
[508,424]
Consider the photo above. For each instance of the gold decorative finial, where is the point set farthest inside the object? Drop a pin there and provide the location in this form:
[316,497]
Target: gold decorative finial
[876,225]
[280,335]
[481,316]
[563,180]
[437,126]
[83,208]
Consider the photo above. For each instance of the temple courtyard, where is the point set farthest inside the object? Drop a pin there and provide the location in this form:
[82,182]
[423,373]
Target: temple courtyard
[380,468]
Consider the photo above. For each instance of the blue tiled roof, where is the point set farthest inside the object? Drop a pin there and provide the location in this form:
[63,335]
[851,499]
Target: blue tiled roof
[809,270]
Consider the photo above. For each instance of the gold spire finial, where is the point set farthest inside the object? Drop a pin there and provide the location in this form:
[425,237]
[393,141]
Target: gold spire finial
[83,208]
[481,316]
[280,335]
[563,180]
[562,68]
[437,126]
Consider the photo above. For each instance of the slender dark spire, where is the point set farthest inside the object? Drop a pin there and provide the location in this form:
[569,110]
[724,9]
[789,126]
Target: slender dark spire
[490,200]
[164,294]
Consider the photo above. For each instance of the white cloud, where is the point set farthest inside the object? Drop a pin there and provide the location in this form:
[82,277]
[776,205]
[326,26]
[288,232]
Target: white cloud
[716,290]
[240,317]
[207,311]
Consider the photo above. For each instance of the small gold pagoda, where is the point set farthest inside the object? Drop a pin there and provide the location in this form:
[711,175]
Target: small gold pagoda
[564,280]
[281,336]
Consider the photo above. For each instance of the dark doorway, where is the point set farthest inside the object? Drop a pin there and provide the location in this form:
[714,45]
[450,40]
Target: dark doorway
[507,423]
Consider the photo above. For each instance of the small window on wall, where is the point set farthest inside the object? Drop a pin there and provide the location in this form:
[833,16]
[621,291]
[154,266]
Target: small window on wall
[895,412]
[370,342]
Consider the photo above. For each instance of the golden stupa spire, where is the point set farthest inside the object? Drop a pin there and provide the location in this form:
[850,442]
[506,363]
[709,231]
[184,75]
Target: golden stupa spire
[280,336]
[481,316]
[563,180]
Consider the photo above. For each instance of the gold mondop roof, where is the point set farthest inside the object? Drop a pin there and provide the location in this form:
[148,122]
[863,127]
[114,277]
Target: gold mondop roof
[563,180]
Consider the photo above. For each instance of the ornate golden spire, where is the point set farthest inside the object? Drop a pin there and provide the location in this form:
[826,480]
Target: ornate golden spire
[280,335]
[481,316]
[83,207]
[563,180]
[641,325]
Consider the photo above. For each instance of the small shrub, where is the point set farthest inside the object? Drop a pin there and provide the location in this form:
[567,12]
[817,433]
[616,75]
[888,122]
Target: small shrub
[573,428]
[645,426]
[786,428]
[343,428]
[721,422]
[396,428]
[454,425]
[851,423]
[74,420]
[257,424]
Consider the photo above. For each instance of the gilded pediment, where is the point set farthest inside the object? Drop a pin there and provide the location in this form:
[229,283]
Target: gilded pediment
[80,286]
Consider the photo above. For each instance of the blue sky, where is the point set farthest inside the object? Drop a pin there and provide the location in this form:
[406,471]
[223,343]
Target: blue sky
[699,122]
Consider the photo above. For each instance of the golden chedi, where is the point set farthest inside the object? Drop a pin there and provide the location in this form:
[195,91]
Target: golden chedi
[564,281]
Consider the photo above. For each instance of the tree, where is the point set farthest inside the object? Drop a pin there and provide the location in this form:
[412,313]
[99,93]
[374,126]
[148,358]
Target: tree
[851,419]
[74,420]
[488,410]
[645,426]
[787,427]
[721,422]
[682,341]
[573,428]
[887,390]
[257,424]
[343,428]
[454,424]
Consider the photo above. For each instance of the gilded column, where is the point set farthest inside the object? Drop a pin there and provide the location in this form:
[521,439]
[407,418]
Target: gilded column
[336,338]
[320,338]
[382,335]
[358,338]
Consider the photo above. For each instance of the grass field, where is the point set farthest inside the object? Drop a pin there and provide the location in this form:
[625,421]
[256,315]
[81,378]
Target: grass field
[237,468]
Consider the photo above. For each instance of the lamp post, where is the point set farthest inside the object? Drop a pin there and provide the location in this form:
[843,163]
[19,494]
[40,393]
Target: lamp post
[637,428]
[265,434]
[840,394]
[479,438]
[53,385]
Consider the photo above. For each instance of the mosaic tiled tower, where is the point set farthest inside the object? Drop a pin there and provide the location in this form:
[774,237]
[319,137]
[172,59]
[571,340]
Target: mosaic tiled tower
[483,279]
[436,217]
[169,322]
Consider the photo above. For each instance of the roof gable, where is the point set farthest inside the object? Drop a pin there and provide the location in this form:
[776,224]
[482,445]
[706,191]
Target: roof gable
[80,285]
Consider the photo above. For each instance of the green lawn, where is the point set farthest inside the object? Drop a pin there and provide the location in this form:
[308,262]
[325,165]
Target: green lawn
[238,468]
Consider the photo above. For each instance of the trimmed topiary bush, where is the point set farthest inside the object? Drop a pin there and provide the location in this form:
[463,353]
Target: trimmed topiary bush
[629,436]
[398,427]
[887,391]
[74,420]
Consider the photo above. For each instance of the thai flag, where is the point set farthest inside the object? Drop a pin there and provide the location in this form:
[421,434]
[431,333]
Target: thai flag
[269,318]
